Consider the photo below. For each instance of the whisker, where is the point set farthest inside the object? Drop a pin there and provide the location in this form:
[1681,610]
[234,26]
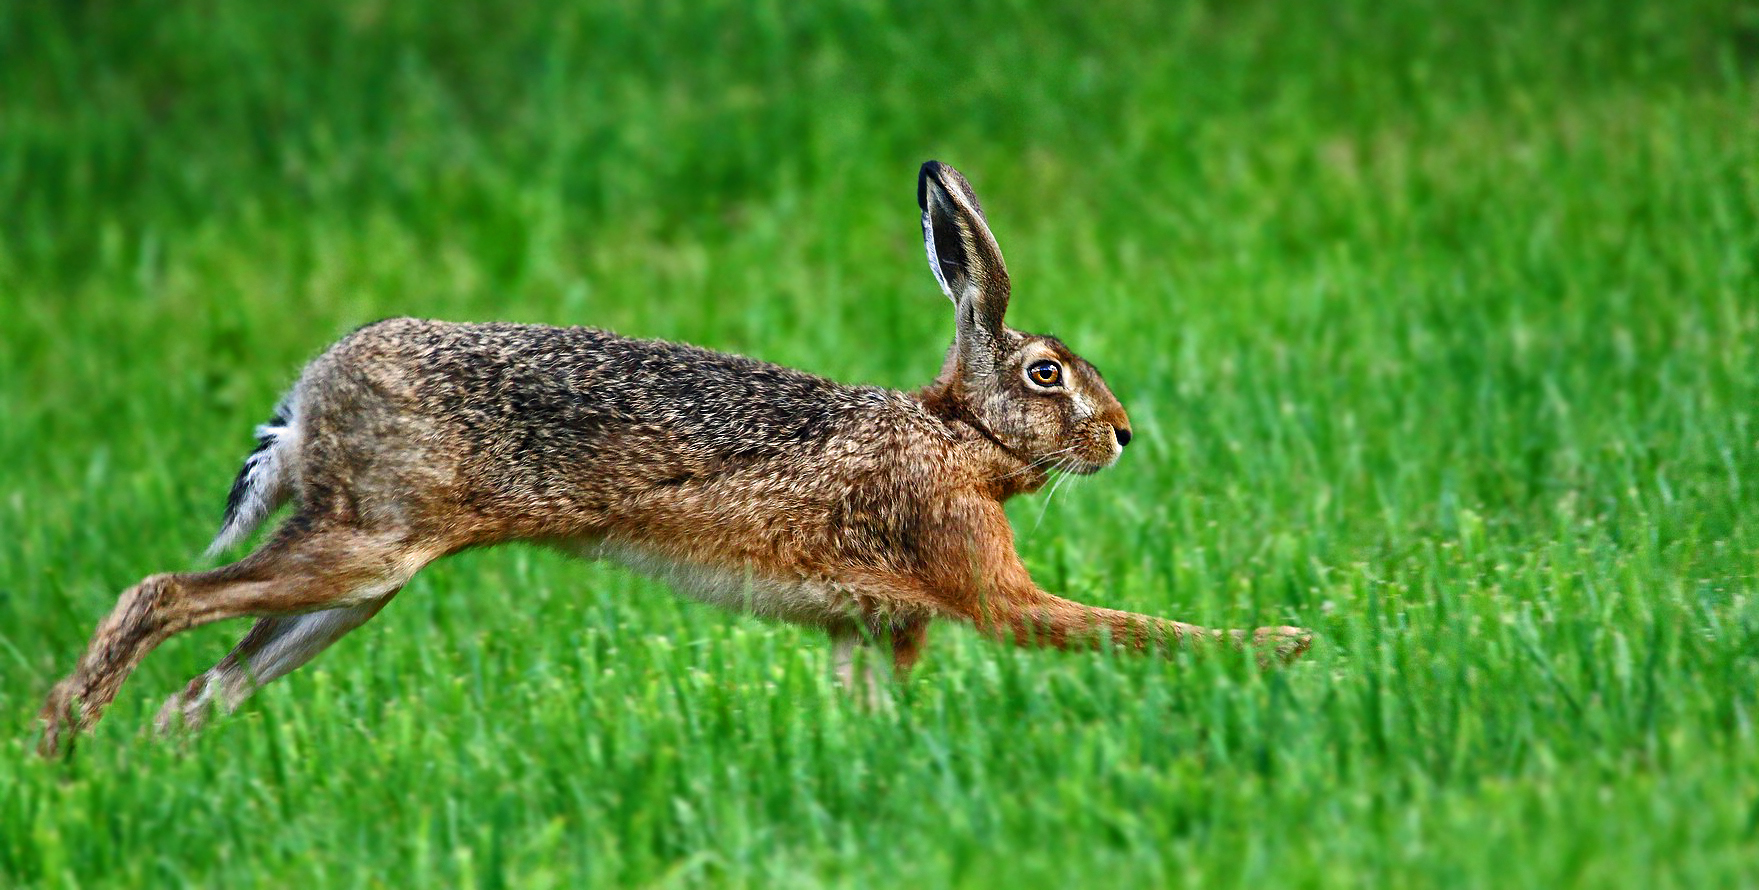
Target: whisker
[1045,507]
[1040,462]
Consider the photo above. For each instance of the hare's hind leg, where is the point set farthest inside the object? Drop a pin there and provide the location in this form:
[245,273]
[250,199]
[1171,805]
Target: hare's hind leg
[304,568]
[274,647]
[904,637]
[908,638]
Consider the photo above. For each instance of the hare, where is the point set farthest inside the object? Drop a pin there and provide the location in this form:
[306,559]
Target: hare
[863,511]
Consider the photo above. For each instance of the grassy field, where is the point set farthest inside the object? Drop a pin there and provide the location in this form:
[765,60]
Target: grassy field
[1437,323]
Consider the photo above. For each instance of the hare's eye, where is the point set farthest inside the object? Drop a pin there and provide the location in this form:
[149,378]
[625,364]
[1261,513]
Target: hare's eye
[1045,373]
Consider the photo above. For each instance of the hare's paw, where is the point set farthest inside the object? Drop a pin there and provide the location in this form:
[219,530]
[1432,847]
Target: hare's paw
[1281,645]
[63,717]
[188,709]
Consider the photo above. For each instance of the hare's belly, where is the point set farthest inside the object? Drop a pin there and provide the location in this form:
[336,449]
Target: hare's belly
[800,600]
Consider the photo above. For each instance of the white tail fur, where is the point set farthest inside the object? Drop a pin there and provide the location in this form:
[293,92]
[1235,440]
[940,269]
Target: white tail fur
[261,485]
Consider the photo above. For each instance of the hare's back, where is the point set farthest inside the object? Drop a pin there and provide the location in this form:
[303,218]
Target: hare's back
[530,418]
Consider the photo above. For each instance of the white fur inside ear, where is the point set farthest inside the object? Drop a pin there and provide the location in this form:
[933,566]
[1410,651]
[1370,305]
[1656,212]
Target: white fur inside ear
[934,259]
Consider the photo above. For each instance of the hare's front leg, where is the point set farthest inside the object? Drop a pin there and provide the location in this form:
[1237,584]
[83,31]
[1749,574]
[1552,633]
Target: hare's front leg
[1032,617]
[986,585]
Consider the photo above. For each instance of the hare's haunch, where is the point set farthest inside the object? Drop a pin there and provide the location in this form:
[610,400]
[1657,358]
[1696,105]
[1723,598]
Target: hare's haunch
[864,511]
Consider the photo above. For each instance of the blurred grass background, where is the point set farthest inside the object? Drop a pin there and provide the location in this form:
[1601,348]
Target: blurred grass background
[1436,322]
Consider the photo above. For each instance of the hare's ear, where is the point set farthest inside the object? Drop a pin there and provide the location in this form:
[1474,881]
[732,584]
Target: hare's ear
[963,255]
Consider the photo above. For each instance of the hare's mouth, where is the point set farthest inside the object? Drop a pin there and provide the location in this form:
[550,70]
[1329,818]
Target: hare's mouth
[1085,461]
[1081,466]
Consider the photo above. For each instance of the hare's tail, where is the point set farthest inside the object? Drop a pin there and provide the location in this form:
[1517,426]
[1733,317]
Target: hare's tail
[262,483]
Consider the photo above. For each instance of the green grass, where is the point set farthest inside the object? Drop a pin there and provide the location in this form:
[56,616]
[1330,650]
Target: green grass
[1437,323]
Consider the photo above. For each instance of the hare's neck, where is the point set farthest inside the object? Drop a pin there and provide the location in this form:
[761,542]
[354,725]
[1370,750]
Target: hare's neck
[942,400]
[1006,473]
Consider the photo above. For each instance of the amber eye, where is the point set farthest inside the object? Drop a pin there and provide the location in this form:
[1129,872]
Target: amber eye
[1045,373]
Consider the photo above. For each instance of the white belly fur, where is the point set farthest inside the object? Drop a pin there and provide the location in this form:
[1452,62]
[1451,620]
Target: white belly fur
[800,600]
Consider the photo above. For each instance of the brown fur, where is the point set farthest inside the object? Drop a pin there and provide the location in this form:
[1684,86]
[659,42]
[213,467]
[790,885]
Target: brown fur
[864,511]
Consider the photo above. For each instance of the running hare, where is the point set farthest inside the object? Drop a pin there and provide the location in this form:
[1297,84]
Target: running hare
[860,510]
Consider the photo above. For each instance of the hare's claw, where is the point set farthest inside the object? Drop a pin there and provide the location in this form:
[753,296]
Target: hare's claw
[1280,645]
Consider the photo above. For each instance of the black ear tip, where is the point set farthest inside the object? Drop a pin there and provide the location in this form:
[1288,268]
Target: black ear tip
[930,170]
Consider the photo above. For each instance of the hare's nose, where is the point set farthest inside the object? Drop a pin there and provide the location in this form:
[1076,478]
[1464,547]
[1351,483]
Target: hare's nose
[1122,434]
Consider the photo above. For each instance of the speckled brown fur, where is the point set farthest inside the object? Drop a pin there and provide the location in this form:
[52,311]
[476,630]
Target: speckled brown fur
[864,511]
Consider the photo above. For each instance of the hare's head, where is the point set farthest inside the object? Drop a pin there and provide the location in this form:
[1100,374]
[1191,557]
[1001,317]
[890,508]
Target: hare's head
[1033,395]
